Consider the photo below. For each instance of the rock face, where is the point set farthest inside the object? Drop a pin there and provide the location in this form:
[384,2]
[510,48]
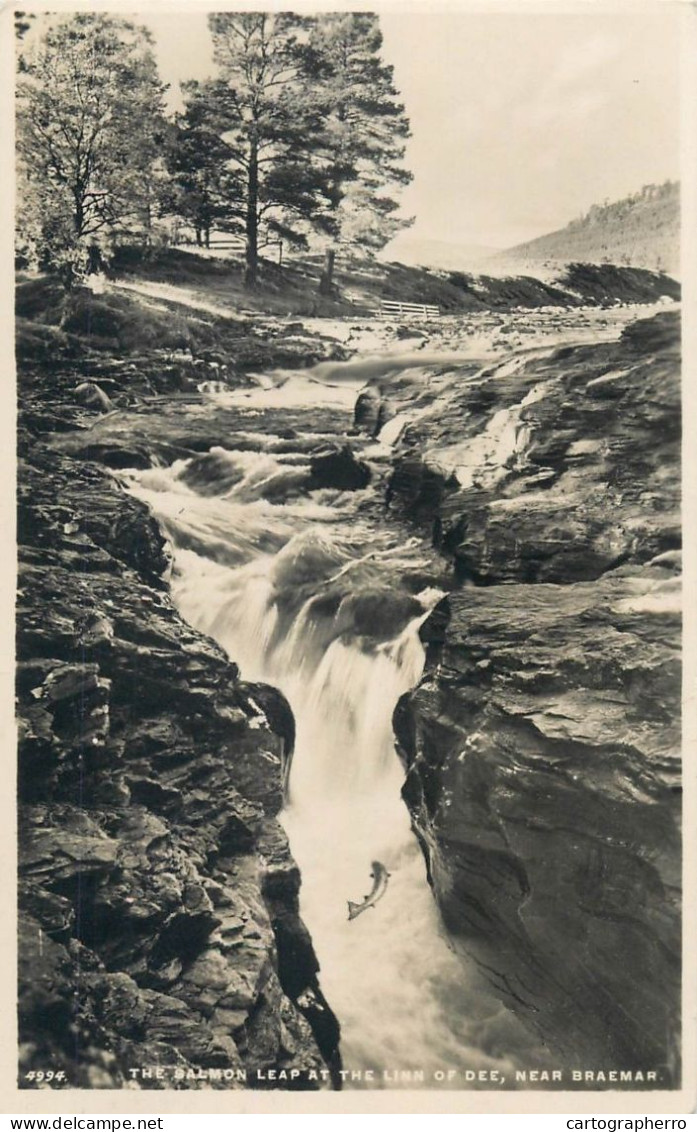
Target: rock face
[552,468]
[158,896]
[542,744]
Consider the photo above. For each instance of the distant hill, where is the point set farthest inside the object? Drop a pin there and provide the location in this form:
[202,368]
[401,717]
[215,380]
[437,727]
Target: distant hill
[643,230]
[441,254]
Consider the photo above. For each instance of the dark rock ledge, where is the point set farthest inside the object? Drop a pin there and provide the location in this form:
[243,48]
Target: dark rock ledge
[542,745]
[158,897]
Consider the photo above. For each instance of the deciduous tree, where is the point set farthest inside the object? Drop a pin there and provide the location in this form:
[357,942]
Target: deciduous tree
[90,130]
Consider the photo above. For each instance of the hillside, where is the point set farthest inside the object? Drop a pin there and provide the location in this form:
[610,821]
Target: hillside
[177,300]
[642,230]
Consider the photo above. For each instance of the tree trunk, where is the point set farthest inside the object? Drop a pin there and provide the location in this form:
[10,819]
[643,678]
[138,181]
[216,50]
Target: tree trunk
[78,210]
[199,242]
[94,260]
[252,222]
[326,281]
[207,235]
[68,278]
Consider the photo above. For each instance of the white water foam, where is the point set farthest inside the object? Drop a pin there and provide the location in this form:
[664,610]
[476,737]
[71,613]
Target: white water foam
[253,575]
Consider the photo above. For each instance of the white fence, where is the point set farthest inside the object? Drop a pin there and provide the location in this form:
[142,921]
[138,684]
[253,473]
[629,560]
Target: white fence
[394,309]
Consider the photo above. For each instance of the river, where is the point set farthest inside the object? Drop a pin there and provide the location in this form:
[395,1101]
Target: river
[320,594]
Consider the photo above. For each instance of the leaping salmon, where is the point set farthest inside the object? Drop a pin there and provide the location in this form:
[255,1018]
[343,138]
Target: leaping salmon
[380,877]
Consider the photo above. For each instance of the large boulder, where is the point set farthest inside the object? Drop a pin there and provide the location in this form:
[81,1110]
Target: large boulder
[338,467]
[366,414]
[90,394]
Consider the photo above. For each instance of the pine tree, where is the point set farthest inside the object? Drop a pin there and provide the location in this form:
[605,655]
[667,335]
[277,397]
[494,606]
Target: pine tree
[90,130]
[200,188]
[271,126]
[364,135]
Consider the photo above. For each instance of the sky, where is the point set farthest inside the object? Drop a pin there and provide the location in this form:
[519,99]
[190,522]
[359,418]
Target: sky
[520,119]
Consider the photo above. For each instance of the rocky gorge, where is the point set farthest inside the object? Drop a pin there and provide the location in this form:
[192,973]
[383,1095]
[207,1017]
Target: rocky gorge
[539,480]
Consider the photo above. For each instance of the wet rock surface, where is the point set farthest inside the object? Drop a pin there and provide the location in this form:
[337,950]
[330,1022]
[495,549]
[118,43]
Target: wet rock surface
[158,897]
[553,467]
[542,744]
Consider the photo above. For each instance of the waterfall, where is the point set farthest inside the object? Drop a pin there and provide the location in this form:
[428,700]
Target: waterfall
[301,592]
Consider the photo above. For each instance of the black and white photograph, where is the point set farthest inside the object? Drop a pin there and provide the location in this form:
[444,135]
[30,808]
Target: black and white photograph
[348,614]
